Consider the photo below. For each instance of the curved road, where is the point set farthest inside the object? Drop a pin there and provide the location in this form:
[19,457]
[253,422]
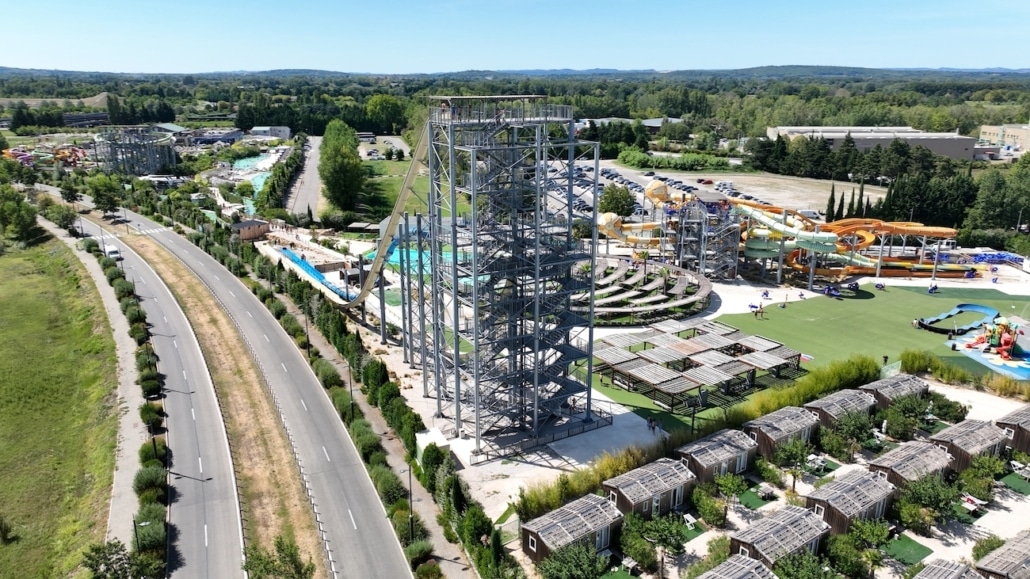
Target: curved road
[308,188]
[353,519]
[203,510]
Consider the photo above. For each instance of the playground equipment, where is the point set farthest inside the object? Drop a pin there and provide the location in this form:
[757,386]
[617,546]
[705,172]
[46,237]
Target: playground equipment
[930,323]
[1002,337]
[835,247]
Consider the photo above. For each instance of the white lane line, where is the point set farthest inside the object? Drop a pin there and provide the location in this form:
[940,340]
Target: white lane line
[218,278]
[352,519]
[176,344]
[166,319]
[230,292]
[326,454]
[201,463]
[205,535]
[194,414]
[250,314]
[183,374]
[304,405]
[266,339]
[284,367]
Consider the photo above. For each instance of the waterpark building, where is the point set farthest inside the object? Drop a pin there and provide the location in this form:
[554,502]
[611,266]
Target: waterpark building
[952,145]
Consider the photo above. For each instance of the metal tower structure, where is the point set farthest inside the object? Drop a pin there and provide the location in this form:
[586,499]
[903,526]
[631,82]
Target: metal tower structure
[705,238]
[495,343]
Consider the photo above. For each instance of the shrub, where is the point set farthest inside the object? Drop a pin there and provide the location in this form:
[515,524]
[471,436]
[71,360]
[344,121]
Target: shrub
[126,302]
[712,511]
[148,373]
[386,393]
[984,546]
[152,495]
[387,484]
[123,289]
[769,473]
[153,513]
[139,333]
[153,449]
[135,315]
[401,526]
[475,525]
[291,325]
[112,274]
[418,553]
[326,373]
[342,402]
[145,357]
[276,307]
[151,538]
[150,388]
[90,245]
[150,478]
[106,262]
[428,570]
[151,415]
[364,438]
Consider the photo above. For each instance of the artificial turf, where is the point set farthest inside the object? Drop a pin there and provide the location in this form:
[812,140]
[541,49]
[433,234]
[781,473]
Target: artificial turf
[906,550]
[874,323]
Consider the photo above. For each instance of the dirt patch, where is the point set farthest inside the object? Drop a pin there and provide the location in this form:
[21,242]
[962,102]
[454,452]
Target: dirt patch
[272,498]
[98,101]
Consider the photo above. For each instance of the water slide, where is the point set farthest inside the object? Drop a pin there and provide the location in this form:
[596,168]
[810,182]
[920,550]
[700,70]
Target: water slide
[774,228]
[612,226]
[388,243]
[989,315]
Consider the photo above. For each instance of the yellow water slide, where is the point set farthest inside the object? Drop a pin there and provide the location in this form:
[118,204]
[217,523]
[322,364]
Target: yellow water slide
[612,226]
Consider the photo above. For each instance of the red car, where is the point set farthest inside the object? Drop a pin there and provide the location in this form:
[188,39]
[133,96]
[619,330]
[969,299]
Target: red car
[706,182]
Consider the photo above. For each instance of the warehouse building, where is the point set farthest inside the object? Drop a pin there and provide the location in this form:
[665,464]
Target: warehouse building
[952,145]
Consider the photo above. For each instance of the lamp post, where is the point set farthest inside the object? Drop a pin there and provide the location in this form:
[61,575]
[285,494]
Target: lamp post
[350,390]
[135,530]
[1019,220]
[411,510]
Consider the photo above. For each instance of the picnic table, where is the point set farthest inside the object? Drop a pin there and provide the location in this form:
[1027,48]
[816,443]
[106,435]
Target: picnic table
[689,521]
[766,491]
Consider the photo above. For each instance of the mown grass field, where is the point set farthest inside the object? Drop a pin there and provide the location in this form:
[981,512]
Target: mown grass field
[875,323]
[58,422]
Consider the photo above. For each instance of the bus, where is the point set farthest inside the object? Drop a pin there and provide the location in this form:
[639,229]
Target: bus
[369,137]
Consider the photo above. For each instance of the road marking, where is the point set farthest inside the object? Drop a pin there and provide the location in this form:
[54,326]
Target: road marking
[326,454]
[233,295]
[284,367]
[218,278]
[166,319]
[194,414]
[266,338]
[304,405]
[176,344]
[250,314]
[352,519]
[183,374]
[205,535]
[201,463]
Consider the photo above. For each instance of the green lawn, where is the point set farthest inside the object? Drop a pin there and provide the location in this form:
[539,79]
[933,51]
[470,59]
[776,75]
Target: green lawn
[906,550]
[691,534]
[1016,483]
[619,574]
[751,500]
[964,516]
[938,426]
[875,323]
[59,425]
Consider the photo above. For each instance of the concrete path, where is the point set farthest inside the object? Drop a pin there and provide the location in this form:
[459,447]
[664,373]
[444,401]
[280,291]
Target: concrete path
[131,432]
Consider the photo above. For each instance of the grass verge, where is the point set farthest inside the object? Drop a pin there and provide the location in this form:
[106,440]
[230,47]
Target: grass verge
[906,550]
[271,494]
[57,400]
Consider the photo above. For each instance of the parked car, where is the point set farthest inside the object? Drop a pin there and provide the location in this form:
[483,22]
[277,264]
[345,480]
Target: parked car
[649,174]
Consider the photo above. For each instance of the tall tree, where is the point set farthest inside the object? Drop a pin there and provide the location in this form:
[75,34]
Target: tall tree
[616,199]
[851,205]
[860,204]
[831,203]
[839,213]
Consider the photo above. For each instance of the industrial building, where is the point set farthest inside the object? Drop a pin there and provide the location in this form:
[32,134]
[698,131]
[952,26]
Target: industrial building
[274,132]
[1015,136]
[952,145]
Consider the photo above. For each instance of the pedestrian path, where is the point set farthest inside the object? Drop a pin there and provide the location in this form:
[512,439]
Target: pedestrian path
[136,230]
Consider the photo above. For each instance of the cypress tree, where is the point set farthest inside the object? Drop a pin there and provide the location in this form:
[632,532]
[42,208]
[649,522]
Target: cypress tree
[831,203]
[851,204]
[861,205]
[840,209]
[868,212]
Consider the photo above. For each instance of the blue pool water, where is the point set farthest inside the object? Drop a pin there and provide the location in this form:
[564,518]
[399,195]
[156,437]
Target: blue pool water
[258,180]
[248,162]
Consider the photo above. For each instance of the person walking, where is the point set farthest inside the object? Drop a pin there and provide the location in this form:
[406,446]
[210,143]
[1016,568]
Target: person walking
[760,311]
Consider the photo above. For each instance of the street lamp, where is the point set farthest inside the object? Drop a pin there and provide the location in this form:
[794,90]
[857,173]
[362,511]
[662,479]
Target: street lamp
[411,510]
[1019,220]
[135,530]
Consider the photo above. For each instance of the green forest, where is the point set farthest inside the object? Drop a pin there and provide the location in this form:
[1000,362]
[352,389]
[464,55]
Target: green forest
[716,111]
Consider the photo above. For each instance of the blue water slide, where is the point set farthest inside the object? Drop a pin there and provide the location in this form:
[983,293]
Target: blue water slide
[930,323]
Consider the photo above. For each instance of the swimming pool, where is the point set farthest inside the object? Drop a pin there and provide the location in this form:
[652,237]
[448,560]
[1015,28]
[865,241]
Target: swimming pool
[258,180]
[248,162]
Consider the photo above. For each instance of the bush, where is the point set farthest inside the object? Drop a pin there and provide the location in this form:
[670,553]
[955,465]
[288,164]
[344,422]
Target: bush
[153,449]
[711,510]
[984,546]
[136,315]
[148,373]
[150,478]
[151,538]
[123,289]
[145,358]
[418,553]
[386,393]
[364,439]
[152,495]
[429,570]
[401,526]
[276,307]
[769,473]
[150,388]
[151,415]
[106,263]
[139,333]
[112,274]
[326,373]
[154,513]
[125,303]
[90,245]
[342,402]
[387,484]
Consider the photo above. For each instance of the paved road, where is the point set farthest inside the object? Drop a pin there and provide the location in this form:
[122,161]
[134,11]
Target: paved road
[308,187]
[354,521]
[203,508]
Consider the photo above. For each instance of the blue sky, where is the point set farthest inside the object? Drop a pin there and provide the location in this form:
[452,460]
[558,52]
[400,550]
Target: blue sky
[402,36]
